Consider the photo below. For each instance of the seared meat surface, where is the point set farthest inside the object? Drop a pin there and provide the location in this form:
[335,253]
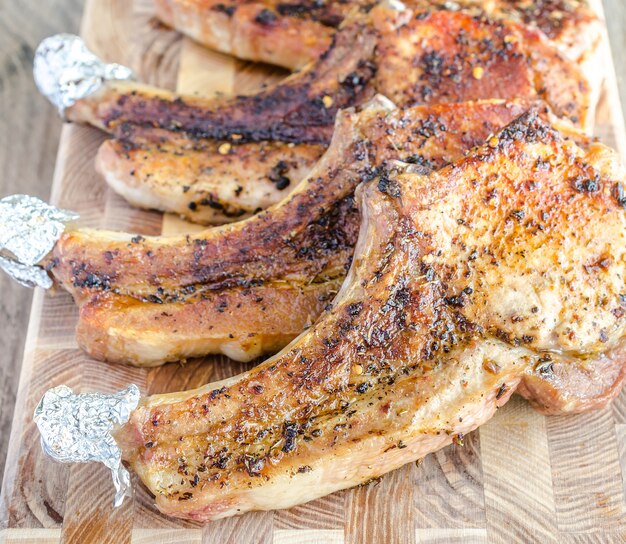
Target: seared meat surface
[300,109]
[281,33]
[291,34]
[205,181]
[504,268]
[229,289]
[426,57]
[432,56]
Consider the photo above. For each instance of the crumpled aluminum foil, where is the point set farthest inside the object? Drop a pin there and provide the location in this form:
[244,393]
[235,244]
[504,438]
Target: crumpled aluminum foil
[396,5]
[66,71]
[76,428]
[29,228]
[28,276]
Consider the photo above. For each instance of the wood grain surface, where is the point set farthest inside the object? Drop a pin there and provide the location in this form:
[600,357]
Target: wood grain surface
[29,136]
[522,478]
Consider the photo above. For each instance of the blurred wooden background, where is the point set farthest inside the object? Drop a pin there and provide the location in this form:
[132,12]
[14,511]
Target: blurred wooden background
[29,132]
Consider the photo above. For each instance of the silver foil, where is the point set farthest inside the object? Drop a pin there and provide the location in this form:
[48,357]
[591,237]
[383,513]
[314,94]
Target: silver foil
[396,5]
[76,428]
[66,71]
[29,228]
[28,276]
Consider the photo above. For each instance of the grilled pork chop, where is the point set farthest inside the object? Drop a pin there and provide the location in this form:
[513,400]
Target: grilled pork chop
[434,57]
[250,288]
[300,109]
[291,34]
[502,269]
[215,161]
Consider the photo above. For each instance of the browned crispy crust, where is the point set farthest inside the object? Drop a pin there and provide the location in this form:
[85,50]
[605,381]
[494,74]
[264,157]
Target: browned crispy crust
[307,239]
[291,34]
[456,56]
[204,181]
[242,323]
[463,282]
[300,109]
[281,33]
[572,25]
[432,57]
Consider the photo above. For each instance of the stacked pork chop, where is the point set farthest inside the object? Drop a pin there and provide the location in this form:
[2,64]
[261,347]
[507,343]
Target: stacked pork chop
[215,161]
[450,235]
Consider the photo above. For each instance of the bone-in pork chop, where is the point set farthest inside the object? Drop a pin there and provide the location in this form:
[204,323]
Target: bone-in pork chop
[291,34]
[249,288]
[426,57]
[465,284]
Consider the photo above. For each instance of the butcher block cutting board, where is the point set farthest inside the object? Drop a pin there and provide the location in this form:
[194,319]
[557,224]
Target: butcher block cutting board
[523,477]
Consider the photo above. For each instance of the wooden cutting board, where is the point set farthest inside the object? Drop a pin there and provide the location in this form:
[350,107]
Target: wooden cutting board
[522,477]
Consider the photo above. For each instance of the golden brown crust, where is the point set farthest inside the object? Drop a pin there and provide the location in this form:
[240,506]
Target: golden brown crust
[401,54]
[463,281]
[300,109]
[453,55]
[268,30]
[429,56]
[264,31]
[241,323]
[549,201]
[570,24]
[446,56]
[307,238]
[204,181]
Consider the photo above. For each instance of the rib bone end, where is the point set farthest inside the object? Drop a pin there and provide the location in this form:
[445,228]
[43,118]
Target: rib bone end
[29,229]
[76,428]
[65,70]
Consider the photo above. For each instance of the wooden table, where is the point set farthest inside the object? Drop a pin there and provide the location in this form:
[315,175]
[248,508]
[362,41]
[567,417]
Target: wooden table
[29,140]
[29,137]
